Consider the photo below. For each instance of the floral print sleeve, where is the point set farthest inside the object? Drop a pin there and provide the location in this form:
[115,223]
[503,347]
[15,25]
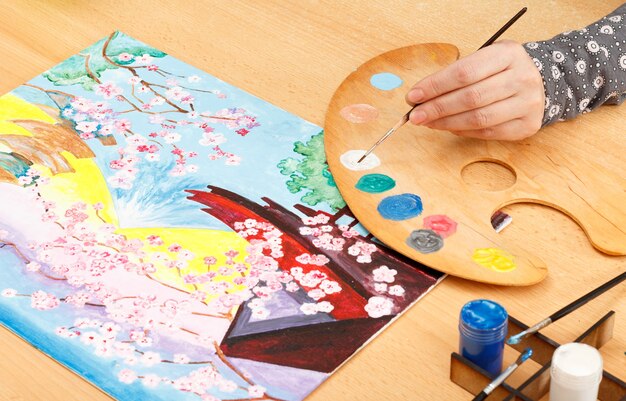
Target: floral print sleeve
[583,69]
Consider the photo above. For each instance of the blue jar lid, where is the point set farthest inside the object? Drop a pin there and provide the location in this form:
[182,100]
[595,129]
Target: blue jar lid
[483,314]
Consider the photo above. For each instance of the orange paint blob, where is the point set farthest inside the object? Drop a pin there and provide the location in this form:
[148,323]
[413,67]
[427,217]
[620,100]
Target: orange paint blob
[359,113]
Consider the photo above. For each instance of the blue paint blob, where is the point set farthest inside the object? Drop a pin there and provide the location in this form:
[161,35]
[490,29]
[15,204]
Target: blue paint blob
[400,207]
[386,81]
[483,327]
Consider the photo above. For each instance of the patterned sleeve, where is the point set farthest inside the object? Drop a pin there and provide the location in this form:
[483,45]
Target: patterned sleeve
[583,69]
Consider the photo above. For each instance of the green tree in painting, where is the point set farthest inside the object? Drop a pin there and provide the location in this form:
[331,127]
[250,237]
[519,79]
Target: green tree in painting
[311,175]
[86,67]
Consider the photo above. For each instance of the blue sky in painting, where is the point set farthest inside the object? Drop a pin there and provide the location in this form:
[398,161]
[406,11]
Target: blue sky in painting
[261,150]
[155,202]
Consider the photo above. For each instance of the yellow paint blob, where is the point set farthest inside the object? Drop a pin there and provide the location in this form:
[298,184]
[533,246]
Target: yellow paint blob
[15,108]
[495,259]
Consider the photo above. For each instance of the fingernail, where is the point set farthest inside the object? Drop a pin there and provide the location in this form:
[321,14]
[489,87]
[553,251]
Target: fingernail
[418,117]
[416,95]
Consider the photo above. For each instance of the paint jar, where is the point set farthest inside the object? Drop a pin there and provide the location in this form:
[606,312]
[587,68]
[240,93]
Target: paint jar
[575,373]
[483,326]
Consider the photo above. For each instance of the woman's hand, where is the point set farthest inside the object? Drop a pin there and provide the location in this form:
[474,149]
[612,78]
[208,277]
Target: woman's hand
[495,93]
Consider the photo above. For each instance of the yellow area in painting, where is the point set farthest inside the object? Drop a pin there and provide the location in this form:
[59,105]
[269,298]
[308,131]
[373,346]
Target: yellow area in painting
[15,108]
[202,243]
[494,258]
[88,185]
[85,184]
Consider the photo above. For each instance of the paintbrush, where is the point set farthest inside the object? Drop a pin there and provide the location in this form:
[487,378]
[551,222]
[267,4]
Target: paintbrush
[507,372]
[405,118]
[516,339]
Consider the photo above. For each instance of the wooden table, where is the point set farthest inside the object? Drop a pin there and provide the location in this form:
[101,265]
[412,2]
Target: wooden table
[294,55]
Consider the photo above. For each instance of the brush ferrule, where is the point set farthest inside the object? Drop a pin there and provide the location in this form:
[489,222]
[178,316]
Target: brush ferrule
[532,330]
[529,331]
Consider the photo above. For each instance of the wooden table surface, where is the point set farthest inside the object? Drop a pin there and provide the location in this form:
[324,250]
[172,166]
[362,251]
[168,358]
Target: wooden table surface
[294,55]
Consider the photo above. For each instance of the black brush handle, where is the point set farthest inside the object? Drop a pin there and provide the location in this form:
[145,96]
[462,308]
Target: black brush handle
[481,396]
[587,297]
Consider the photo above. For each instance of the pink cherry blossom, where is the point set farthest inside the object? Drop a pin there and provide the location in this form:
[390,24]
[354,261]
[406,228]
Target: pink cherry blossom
[384,274]
[174,248]
[9,293]
[126,376]
[181,358]
[24,180]
[210,260]
[380,287]
[125,57]
[87,126]
[150,358]
[378,306]
[122,125]
[151,380]
[330,287]
[256,391]
[396,290]
[108,90]
[308,308]
[316,294]
[43,301]
[324,307]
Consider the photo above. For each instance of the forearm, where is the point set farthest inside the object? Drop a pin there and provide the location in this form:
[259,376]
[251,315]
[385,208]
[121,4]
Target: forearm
[583,69]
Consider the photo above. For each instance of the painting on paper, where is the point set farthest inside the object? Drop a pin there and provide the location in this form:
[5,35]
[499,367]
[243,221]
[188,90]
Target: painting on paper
[171,237]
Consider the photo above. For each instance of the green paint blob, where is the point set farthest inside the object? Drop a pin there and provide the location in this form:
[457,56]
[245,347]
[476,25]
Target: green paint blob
[375,183]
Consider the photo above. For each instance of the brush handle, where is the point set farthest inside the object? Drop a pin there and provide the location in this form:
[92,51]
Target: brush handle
[481,396]
[504,28]
[587,297]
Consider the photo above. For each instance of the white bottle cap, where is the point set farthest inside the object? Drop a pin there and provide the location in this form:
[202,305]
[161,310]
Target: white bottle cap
[576,370]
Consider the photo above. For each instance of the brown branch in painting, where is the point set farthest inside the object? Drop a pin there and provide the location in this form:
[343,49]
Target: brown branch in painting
[220,354]
[132,92]
[100,217]
[17,251]
[88,68]
[51,277]
[134,72]
[219,316]
[232,367]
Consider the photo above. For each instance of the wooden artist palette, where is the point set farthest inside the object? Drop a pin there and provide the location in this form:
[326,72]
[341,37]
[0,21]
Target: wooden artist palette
[568,166]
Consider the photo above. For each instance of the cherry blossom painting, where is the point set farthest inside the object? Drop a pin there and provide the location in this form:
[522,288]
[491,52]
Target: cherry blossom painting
[170,237]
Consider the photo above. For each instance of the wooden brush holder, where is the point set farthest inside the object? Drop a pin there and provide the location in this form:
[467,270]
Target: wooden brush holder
[474,379]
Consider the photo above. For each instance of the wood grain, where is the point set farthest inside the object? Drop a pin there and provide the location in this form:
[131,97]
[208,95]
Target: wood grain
[557,167]
[295,55]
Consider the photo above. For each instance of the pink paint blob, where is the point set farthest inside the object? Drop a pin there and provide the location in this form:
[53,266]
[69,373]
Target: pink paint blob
[359,113]
[441,224]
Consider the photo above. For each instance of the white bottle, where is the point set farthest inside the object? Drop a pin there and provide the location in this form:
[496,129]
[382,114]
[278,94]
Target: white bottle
[575,373]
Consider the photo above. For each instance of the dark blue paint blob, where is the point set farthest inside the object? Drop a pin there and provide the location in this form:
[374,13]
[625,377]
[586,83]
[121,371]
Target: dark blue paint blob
[386,81]
[483,327]
[400,207]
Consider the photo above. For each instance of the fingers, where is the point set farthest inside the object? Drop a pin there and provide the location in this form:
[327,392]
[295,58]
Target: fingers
[480,94]
[512,130]
[483,117]
[468,70]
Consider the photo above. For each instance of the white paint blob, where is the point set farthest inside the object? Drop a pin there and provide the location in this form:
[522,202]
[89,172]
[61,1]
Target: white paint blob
[575,373]
[351,157]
